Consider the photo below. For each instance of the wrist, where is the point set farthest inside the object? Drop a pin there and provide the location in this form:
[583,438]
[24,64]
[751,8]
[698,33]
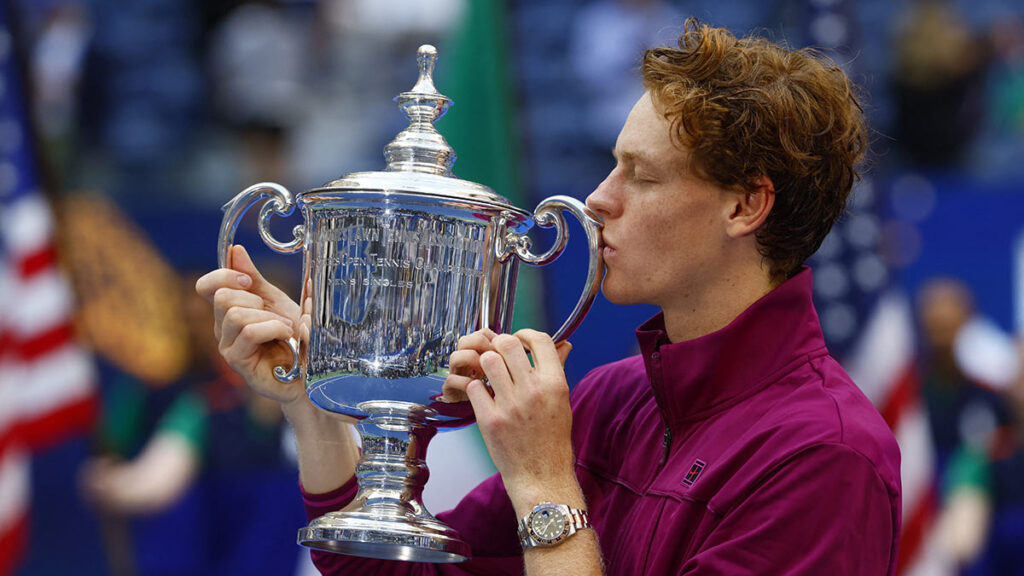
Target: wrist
[312,423]
[327,447]
[299,410]
[560,490]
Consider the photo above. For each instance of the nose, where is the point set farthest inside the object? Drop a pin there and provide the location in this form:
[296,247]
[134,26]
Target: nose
[603,200]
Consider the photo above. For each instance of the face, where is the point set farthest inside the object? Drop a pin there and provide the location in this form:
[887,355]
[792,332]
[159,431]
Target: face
[664,230]
[944,308]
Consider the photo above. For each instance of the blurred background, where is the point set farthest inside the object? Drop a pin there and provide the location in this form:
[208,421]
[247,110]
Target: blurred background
[127,448]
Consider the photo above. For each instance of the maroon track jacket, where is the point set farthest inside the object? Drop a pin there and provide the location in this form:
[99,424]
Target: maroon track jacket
[745,451]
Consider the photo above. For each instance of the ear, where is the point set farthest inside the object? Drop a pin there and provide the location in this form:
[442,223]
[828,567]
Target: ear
[748,209]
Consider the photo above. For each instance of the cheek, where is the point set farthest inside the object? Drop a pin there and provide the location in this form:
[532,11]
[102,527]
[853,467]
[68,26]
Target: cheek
[655,221]
[665,233]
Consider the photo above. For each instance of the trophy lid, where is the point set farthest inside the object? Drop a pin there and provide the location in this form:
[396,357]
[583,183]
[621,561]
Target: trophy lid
[419,159]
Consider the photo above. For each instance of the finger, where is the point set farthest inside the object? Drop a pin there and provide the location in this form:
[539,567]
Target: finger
[563,348]
[479,341]
[252,336]
[306,315]
[511,349]
[237,319]
[465,363]
[241,262]
[307,301]
[456,382]
[454,388]
[305,326]
[227,298]
[542,347]
[208,284]
[494,368]
[481,400]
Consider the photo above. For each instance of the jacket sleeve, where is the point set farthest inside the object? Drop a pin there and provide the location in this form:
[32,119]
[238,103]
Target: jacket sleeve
[823,511]
[484,518]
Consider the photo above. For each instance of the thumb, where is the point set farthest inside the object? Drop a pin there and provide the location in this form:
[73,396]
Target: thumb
[563,348]
[274,298]
[240,261]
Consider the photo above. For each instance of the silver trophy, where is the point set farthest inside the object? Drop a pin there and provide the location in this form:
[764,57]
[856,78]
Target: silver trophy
[400,264]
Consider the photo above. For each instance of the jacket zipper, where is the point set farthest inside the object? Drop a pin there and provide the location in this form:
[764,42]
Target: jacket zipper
[666,442]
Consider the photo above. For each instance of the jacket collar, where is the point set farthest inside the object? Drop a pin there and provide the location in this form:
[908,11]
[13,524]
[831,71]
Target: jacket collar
[696,378]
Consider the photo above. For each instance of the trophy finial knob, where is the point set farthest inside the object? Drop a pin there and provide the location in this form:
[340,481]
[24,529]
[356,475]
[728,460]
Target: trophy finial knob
[420,147]
[426,58]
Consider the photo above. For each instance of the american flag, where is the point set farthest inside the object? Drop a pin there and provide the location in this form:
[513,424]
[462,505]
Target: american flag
[47,380]
[868,320]
[875,332]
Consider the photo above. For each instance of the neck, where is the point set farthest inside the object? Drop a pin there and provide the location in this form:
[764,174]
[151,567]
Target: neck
[721,301]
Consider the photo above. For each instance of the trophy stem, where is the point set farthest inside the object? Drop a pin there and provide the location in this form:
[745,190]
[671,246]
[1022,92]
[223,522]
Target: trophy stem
[393,468]
[387,518]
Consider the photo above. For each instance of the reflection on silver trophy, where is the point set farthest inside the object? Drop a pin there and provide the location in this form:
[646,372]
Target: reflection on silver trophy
[399,264]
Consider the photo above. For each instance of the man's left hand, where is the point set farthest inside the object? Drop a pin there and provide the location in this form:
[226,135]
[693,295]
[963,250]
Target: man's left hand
[523,412]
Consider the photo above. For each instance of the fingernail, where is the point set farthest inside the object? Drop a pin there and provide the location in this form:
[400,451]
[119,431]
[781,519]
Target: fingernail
[244,281]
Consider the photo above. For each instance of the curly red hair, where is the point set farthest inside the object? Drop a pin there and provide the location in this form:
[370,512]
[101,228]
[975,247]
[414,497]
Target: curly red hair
[748,107]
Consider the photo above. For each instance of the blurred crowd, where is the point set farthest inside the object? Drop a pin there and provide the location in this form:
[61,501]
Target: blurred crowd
[169,107]
[196,98]
[171,101]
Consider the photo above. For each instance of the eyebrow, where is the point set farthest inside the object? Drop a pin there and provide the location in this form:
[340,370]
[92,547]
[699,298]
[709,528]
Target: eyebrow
[636,159]
[630,157]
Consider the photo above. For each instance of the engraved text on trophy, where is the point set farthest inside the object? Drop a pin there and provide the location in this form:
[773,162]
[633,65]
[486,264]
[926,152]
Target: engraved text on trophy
[391,291]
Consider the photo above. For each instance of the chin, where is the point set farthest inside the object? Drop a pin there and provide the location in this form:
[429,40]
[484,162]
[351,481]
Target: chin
[617,293]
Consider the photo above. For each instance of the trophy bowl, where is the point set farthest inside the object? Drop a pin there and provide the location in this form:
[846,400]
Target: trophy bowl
[398,265]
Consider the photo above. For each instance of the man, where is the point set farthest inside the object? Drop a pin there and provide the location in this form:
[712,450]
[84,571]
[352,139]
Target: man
[734,444]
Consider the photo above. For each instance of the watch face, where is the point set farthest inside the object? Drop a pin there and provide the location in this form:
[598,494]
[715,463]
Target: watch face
[548,524]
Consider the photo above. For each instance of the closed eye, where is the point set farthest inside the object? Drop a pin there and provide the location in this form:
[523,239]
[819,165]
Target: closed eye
[635,166]
[639,177]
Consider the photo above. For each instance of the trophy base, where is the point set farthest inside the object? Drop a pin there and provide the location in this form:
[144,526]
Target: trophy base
[405,537]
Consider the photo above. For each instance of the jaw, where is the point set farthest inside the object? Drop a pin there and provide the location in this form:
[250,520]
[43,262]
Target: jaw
[627,287]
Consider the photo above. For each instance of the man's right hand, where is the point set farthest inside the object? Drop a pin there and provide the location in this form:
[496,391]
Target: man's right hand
[252,319]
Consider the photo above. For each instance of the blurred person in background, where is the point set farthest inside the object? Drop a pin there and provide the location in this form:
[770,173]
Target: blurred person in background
[982,520]
[966,417]
[723,446]
[937,85]
[959,405]
[200,472]
[257,66]
[56,69]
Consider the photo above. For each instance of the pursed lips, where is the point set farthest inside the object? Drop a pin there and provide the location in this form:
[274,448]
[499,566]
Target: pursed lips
[606,247]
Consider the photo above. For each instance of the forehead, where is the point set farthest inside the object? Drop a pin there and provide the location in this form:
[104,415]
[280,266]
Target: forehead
[646,135]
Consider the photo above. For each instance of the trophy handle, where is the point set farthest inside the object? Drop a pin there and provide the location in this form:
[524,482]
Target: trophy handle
[548,214]
[283,204]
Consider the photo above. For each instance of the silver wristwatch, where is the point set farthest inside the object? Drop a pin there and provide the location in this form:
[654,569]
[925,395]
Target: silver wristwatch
[549,524]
